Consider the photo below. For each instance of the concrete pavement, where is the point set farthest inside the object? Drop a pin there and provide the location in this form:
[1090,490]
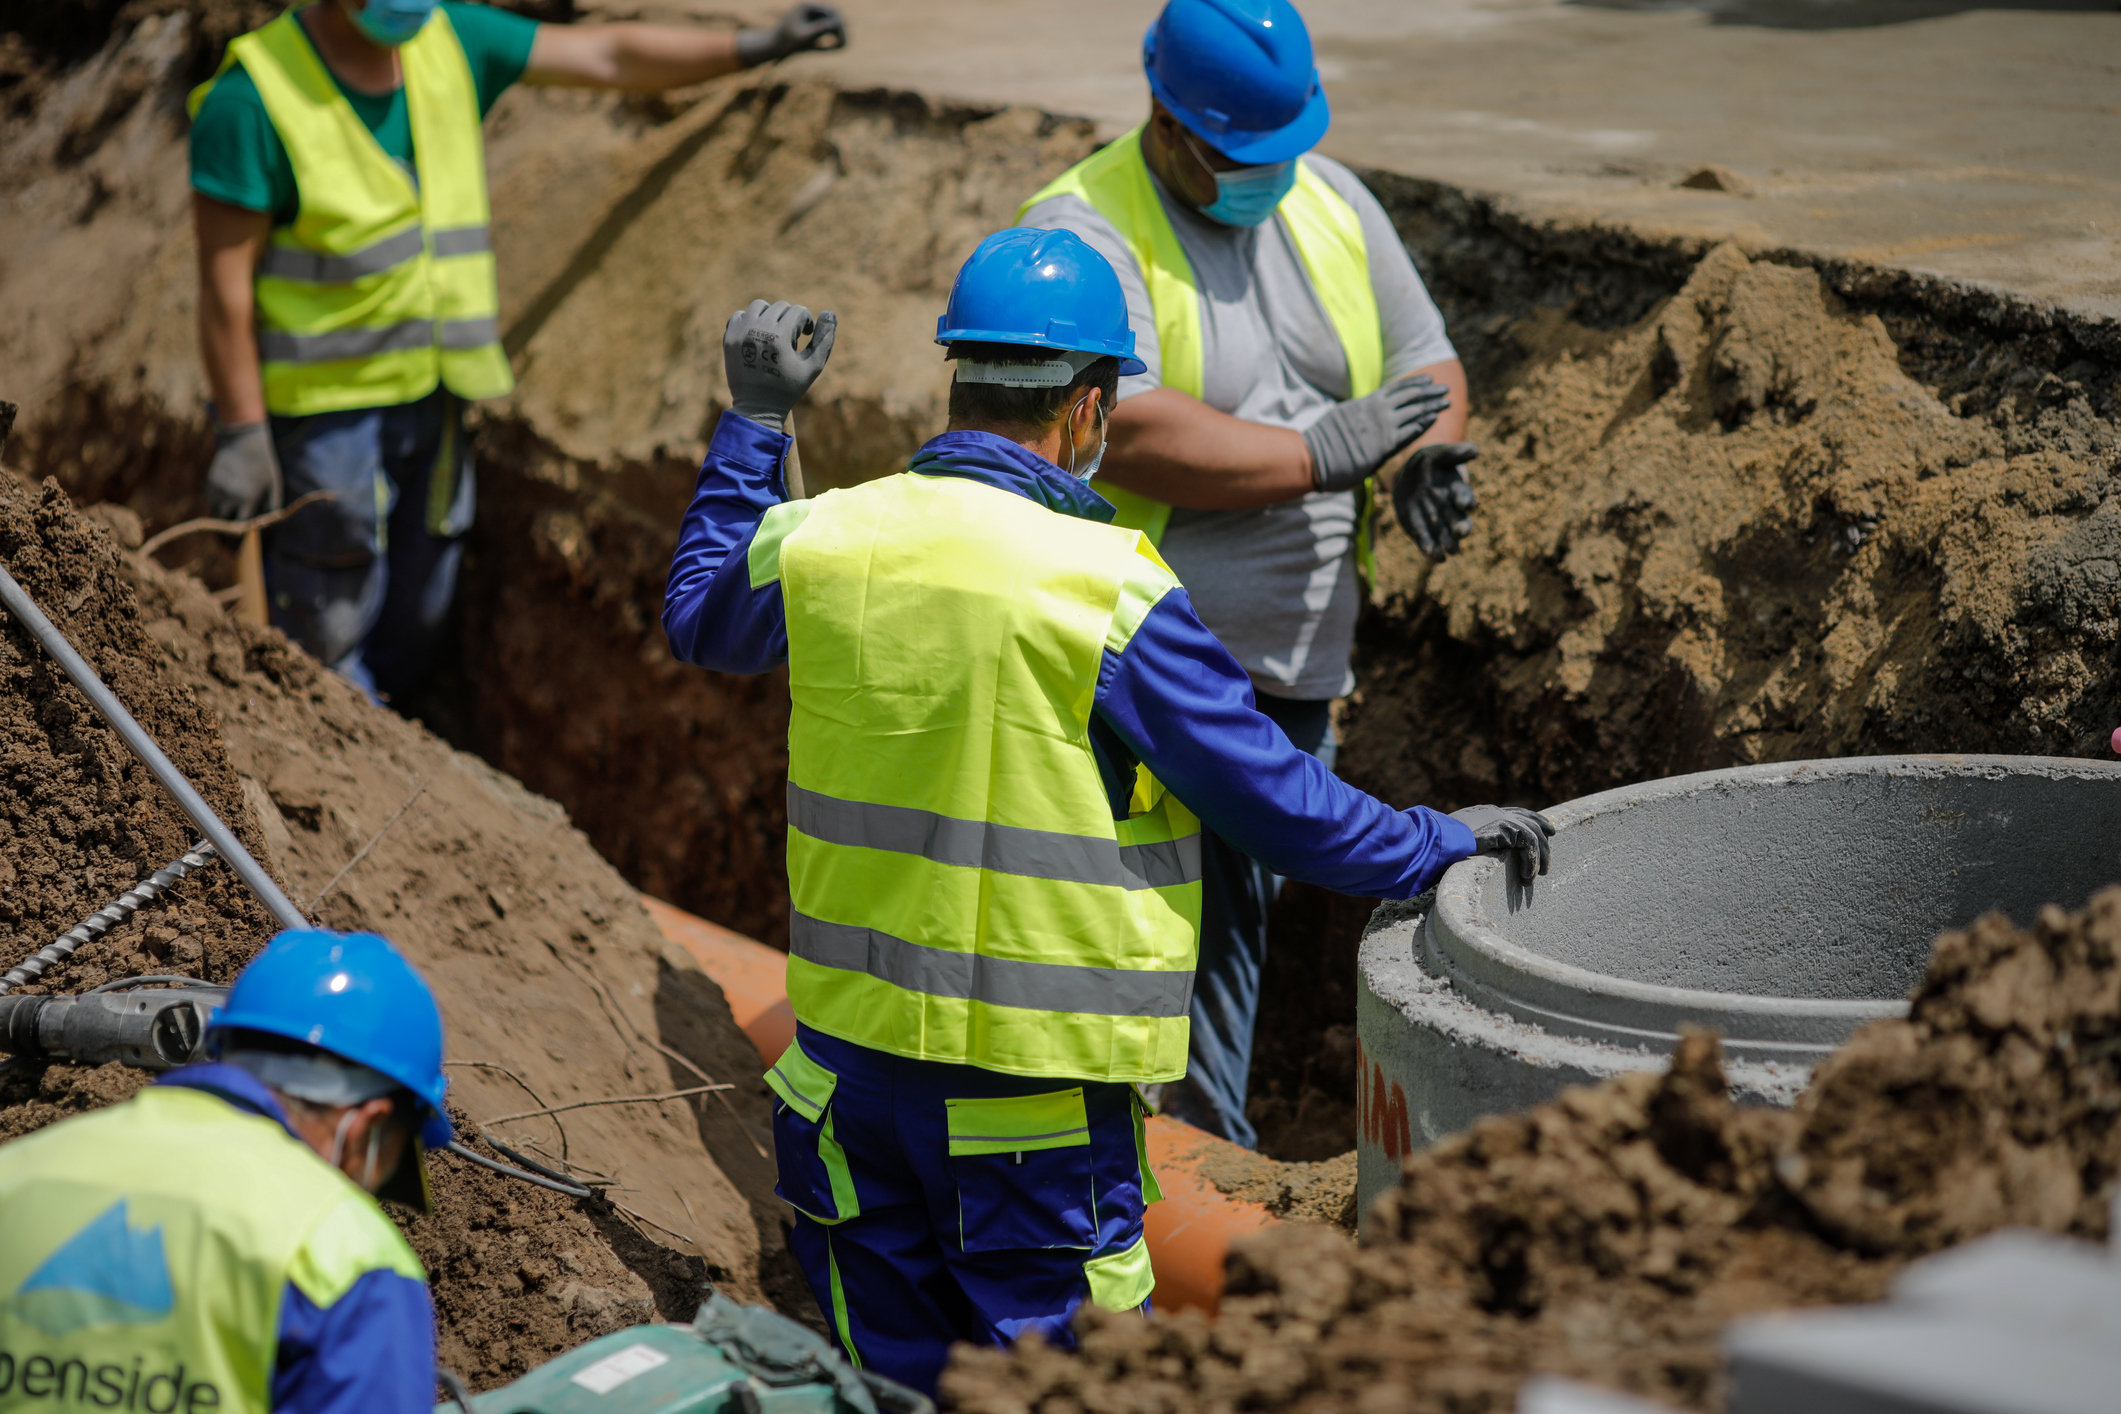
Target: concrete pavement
[1977,144]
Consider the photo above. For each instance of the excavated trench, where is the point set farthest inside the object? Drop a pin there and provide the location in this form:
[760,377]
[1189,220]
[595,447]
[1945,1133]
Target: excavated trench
[1737,506]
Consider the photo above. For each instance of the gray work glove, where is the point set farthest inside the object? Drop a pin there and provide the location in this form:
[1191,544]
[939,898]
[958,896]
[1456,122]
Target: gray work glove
[1434,500]
[768,375]
[804,27]
[1355,438]
[1512,830]
[244,480]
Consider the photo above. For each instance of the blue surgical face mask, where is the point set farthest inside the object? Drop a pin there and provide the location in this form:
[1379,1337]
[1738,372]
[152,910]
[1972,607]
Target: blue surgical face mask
[392,22]
[1247,196]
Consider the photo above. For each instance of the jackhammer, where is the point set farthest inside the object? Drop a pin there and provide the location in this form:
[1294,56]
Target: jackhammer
[154,1030]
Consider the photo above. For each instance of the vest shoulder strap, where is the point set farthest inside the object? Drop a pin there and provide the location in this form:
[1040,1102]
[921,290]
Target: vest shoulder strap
[353,1240]
[1328,235]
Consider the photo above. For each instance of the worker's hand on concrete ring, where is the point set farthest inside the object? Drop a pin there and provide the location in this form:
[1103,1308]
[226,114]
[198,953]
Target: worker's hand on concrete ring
[1355,438]
[244,480]
[1433,498]
[804,27]
[1513,830]
[768,374]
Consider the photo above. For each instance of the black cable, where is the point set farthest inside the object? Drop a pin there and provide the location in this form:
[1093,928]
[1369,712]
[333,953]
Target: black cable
[526,1161]
[572,1190]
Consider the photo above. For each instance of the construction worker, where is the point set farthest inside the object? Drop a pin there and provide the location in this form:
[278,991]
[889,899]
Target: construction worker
[211,1244]
[1008,726]
[347,303]
[1290,351]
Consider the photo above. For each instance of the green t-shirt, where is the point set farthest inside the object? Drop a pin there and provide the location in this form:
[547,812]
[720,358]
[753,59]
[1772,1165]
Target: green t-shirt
[237,156]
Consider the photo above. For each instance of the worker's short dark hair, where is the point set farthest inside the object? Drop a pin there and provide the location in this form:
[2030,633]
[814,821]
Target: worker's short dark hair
[1033,409]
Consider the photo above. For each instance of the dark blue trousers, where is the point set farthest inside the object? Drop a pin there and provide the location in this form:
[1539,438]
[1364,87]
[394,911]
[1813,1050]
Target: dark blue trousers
[921,1222]
[364,581]
[1235,894]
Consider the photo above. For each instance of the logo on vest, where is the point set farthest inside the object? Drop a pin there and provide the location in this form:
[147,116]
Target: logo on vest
[109,1273]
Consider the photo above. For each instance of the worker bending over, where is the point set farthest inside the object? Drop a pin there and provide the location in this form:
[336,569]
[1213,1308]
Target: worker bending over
[347,303]
[1008,726]
[1289,351]
[211,1244]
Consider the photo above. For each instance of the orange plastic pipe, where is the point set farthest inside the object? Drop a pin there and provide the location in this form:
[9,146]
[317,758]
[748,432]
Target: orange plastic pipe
[1189,1232]
[751,975]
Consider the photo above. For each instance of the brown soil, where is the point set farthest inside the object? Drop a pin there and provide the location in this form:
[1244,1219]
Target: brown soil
[1738,529]
[554,984]
[1611,1235]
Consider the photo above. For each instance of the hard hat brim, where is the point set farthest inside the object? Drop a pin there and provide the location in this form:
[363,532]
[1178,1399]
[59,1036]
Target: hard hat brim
[1283,144]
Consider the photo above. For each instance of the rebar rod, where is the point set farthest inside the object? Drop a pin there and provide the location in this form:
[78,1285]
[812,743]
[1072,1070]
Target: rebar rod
[113,711]
[108,917]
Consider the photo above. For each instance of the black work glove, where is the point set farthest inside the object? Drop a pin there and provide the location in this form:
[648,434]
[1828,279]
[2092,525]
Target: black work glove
[244,479]
[1434,500]
[768,375]
[1355,438]
[1512,830]
[804,27]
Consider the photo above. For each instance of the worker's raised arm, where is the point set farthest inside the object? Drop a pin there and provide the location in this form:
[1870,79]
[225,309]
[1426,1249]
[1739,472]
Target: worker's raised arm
[722,608]
[1182,704]
[651,58]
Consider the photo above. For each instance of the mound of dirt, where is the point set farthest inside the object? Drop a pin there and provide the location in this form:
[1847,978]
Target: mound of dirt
[1611,1235]
[557,990]
[1738,529]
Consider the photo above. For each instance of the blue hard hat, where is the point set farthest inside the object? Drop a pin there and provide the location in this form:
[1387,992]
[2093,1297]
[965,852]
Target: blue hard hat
[1043,289]
[1240,74]
[351,994]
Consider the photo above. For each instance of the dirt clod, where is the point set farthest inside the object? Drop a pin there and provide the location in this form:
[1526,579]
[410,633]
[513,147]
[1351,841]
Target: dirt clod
[1611,1235]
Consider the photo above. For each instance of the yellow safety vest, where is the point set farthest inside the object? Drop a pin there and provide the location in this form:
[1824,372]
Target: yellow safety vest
[1328,235]
[379,288]
[961,889]
[147,1247]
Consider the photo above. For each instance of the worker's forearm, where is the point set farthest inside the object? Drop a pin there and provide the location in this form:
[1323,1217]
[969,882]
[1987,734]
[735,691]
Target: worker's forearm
[1451,426]
[1184,707]
[636,57]
[1176,449]
[714,616]
[229,345]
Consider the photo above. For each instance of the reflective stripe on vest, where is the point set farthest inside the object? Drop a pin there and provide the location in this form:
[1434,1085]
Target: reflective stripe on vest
[148,1248]
[1328,237]
[961,890]
[381,287]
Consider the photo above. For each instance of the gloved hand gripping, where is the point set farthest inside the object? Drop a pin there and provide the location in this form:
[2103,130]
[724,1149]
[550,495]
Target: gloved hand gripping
[768,374]
[1513,830]
[1356,437]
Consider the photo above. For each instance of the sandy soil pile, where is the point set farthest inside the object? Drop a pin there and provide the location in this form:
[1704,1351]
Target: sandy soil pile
[1612,1234]
[1739,529]
[555,986]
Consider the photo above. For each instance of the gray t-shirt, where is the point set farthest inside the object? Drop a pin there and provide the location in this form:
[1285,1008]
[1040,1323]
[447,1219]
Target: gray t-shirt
[1278,584]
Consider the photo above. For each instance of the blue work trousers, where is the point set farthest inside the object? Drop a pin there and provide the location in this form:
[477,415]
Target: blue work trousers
[364,581]
[937,1203]
[1235,892]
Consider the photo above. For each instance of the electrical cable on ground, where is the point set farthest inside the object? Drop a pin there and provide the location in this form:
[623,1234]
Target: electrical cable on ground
[108,917]
[615,1100]
[470,1155]
[107,705]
